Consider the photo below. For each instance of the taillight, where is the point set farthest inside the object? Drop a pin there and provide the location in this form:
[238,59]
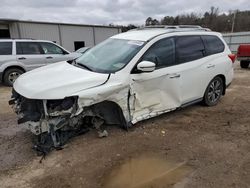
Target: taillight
[232,57]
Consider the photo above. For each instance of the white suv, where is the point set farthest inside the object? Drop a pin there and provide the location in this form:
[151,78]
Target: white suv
[128,78]
[21,55]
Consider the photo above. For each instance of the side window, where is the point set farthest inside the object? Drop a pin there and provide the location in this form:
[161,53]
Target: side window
[162,53]
[50,48]
[5,48]
[189,48]
[28,48]
[213,44]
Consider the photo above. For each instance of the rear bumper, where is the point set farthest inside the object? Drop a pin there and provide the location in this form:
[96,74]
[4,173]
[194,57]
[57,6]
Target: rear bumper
[242,58]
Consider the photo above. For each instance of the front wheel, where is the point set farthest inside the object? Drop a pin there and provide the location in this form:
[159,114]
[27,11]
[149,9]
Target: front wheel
[213,92]
[244,64]
[11,75]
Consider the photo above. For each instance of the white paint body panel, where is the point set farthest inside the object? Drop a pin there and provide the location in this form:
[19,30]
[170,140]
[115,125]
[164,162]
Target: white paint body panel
[140,96]
[57,81]
[155,92]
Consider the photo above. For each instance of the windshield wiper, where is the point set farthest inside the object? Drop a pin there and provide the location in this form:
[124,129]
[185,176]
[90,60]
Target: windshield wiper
[82,65]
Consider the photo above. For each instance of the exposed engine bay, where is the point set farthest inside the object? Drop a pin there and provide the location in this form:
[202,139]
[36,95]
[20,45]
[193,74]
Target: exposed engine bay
[54,122]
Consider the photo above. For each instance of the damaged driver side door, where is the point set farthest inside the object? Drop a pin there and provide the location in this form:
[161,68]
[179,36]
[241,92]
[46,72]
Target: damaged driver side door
[156,92]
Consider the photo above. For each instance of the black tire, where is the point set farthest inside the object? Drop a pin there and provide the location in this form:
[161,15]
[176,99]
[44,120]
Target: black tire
[11,75]
[213,92]
[244,64]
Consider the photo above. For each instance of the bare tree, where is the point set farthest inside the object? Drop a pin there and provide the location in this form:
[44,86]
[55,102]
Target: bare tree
[213,19]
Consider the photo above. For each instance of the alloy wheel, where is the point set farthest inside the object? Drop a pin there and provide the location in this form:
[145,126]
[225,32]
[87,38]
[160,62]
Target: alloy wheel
[215,91]
[13,76]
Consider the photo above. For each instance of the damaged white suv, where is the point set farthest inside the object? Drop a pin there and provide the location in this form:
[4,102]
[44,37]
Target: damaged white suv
[128,78]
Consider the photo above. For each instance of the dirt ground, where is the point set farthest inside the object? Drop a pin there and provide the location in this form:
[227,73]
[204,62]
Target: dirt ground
[213,141]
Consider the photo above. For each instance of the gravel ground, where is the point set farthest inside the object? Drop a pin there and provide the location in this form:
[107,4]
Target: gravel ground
[213,141]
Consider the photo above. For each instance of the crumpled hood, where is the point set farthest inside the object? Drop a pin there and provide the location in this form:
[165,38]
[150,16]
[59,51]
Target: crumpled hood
[57,81]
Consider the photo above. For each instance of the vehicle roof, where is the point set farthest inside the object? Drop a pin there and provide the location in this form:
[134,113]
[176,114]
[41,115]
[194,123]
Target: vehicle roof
[149,33]
[24,40]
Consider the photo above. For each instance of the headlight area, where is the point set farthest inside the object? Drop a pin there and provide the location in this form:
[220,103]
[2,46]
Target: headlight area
[67,106]
[28,110]
[52,122]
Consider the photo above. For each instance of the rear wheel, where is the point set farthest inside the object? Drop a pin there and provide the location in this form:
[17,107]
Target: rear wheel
[11,75]
[213,92]
[244,64]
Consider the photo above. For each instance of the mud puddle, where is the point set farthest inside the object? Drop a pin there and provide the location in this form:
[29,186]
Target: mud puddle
[148,172]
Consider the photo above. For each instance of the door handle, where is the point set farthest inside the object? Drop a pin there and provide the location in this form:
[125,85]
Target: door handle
[21,58]
[49,57]
[174,76]
[210,66]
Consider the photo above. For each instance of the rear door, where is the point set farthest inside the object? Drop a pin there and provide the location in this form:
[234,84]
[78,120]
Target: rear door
[218,61]
[30,54]
[53,53]
[200,60]
[190,53]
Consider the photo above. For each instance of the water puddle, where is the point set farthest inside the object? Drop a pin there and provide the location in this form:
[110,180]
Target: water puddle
[147,172]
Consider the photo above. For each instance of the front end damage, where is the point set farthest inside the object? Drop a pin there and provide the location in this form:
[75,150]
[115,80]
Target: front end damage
[54,122]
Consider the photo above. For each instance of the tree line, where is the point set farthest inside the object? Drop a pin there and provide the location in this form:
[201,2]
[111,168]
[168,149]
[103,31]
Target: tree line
[235,21]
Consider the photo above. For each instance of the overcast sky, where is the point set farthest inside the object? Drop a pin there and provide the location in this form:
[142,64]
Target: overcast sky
[109,11]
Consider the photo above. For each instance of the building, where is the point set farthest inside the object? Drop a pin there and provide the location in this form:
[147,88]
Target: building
[70,36]
[235,39]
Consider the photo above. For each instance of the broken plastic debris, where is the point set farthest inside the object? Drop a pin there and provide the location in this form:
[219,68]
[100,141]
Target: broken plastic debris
[102,134]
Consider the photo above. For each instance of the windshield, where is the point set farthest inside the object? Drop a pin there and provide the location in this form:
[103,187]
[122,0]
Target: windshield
[82,50]
[110,55]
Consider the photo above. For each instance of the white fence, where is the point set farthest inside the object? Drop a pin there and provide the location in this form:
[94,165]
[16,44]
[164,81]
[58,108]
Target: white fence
[235,39]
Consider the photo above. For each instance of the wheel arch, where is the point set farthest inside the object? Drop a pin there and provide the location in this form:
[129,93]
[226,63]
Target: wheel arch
[224,82]
[11,67]
[111,112]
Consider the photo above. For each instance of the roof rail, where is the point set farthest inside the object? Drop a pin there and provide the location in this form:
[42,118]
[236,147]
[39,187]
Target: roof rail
[16,39]
[175,27]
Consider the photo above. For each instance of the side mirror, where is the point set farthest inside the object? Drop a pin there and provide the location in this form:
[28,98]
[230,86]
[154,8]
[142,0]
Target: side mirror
[146,66]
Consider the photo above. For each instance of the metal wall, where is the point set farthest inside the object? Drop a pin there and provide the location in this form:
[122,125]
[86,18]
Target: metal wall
[63,34]
[69,34]
[39,31]
[14,30]
[104,33]
[235,39]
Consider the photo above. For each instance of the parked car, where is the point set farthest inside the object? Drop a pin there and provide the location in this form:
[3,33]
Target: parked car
[243,55]
[128,78]
[21,55]
[82,50]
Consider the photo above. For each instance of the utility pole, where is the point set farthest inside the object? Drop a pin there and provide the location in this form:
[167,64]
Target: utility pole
[233,22]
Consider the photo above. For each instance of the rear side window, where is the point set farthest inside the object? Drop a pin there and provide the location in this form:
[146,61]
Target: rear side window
[213,44]
[28,48]
[50,48]
[162,53]
[189,48]
[5,48]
